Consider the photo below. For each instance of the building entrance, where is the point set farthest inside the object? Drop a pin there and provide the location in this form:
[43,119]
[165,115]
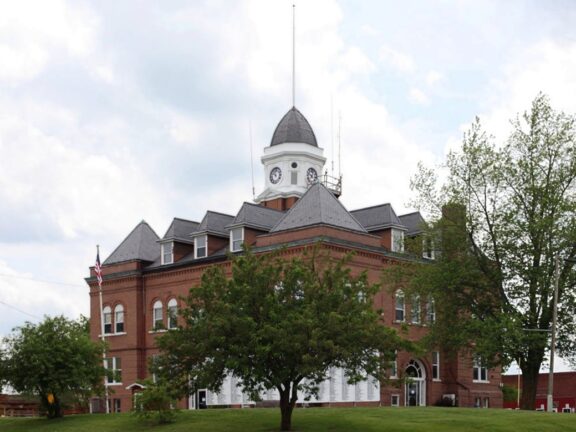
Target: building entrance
[415,388]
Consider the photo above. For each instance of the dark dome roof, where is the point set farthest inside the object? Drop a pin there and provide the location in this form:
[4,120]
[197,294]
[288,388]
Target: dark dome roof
[294,128]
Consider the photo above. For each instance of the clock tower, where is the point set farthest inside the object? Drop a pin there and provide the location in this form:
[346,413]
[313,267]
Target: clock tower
[292,162]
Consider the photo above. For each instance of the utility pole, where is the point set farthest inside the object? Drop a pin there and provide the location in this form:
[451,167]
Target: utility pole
[550,398]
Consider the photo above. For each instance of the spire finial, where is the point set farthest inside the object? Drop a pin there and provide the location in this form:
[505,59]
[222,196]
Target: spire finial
[293,55]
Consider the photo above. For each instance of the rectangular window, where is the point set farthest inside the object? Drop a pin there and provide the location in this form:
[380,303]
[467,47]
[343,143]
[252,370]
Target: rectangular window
[427,248]
[394,367]
[486,402]
[168,253]
[430,310]
[236,239]
[395,400]
[415,310]
[479,370]
[107,321]
[397,240]
[200,246]
[435,365]
[157,321]
[113,366]
[294,177]
[117,405]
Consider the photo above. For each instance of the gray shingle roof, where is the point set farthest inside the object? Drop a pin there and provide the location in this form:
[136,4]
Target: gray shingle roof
[215,223]
[180,229]
[256,216]
[294,128]
[414,222]
[318,206]
[140,244]
[377,217]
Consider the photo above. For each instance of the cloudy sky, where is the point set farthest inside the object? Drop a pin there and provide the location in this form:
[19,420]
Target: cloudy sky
[113,112]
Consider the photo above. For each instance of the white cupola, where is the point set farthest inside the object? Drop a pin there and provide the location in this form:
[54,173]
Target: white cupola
[293,161]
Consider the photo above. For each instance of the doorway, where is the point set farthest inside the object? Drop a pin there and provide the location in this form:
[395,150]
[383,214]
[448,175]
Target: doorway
[415,387]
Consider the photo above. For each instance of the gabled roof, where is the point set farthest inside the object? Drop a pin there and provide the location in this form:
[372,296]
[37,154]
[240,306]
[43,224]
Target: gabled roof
[378,217]
[293,128]
[257,216]
[140,244]
[414,222]
[215,223]
[180,230]
[318,206]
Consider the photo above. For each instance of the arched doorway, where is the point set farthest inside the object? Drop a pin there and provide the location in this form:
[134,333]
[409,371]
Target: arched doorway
[415,387]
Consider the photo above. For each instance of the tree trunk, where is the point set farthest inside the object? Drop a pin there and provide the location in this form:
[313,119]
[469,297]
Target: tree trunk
[53,407]
[530,372]
[286,408]
[288,398]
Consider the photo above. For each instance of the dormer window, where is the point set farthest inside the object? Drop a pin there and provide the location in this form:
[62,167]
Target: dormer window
[427,248]
[236,239]
[168,253]
[200,246]
[397,240]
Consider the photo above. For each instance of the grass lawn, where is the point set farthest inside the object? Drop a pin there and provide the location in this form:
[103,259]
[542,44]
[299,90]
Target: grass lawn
[427,419]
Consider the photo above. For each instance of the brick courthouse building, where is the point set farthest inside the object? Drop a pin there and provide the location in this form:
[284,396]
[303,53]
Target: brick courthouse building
[146,275]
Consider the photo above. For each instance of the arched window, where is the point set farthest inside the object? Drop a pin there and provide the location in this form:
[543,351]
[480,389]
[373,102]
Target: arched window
[172,314]
[119,318]
[399,306]
[107,317]
[157,321]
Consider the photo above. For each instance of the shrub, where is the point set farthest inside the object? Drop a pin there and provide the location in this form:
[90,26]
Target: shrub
[156,404]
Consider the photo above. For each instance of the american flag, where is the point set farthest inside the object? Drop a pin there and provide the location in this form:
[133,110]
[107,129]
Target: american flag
[98,269]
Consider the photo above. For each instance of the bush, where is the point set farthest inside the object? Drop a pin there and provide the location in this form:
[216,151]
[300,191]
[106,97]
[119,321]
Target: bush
[156,404]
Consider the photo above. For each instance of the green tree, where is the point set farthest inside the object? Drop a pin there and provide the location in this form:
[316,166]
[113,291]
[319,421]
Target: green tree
[54,360]
[501,218]
[277,324]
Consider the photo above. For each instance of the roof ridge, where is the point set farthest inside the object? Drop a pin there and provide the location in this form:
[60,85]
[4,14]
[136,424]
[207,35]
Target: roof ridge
[371,207]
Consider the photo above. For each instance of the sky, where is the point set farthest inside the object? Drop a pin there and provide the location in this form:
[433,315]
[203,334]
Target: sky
[116,112]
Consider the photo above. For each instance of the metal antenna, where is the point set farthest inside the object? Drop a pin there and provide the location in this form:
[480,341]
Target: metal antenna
[332,130]
[293,55]
[251,161]
[339,143]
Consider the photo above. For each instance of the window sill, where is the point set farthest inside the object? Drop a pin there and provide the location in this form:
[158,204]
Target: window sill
[157,331]
[399,322]
[113,334]
[481,381]
[113,384]
[436,380]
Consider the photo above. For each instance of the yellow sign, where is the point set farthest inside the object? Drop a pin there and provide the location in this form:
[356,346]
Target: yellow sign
[50,398]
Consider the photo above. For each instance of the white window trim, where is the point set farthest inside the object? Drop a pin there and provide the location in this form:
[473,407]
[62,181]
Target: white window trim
[114,369]
[172,303]
[232,240]
[162,255]
[397,396]
[438,378]
[397,245]
[398,294]
[158,305]
[205,237]
[119,308]
[415,318]
[478,366]
[107,312]
[394,372]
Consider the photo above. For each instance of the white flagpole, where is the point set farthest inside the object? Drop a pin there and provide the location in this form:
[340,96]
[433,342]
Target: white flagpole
[99,277]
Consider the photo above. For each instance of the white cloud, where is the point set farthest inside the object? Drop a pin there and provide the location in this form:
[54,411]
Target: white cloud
[433,77]
[418,97]
[398,60]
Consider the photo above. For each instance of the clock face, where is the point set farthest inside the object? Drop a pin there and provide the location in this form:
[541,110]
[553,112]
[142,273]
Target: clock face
[275,175]
[311,175]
